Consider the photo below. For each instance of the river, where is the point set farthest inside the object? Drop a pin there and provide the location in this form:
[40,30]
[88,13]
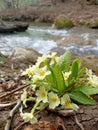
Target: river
[44,39]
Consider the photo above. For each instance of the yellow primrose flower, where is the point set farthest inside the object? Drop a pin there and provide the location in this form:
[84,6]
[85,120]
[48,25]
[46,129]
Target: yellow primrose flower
[53,58]
[30,71]
[54,100]
[24,97]
[41,59]
[89,72]
[57,58]
[28,117]
[42,95]
[41,73]
[35,78]
[66,102]
[66,75]
[52,55]
[93,80]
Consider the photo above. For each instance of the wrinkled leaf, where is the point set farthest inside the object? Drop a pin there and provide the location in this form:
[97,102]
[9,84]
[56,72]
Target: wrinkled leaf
[64,61]
[51,78]
[87,90]
[81,98]
[74,70]
[59,79]
[81,72]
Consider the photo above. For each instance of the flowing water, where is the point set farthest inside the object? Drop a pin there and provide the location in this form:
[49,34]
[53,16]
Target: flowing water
[44,39]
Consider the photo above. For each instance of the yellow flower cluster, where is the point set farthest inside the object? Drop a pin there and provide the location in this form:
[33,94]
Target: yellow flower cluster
[55,81]
[92,79]
[54,100]
[39,72]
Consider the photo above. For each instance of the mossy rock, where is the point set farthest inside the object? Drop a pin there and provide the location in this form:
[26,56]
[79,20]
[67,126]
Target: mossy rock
[62,23]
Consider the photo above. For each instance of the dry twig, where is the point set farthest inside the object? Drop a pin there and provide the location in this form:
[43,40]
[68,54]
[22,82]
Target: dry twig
[8,124]
[63,112]
[13,91]
[7,104]
[18,127]
[79,124]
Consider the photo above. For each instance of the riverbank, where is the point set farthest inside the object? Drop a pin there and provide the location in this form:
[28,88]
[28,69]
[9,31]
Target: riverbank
[80,14]
[11,67]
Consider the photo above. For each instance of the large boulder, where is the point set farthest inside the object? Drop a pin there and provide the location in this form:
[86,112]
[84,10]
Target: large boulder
[62,22]
[24,55]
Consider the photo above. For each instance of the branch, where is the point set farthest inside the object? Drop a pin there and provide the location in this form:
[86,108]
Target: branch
[18,127]
[7,104]
[8,124]
[13,91]
[67,112]
[79,124]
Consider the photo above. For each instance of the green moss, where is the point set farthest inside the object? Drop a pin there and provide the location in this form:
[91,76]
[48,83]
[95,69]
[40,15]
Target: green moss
[63,23]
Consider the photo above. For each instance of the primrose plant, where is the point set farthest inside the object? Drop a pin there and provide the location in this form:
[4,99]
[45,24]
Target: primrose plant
[57,82]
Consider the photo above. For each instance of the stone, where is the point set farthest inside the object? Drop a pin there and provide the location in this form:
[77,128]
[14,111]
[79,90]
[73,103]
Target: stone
[77,40]
[12,28]
[62,22]
[24,55]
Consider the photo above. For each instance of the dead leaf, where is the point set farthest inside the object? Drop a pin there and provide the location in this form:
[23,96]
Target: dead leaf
[60,124]
[42,125]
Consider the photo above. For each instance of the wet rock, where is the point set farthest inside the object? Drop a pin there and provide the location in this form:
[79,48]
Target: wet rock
[24,55]
[62,22]
[77,40]
[11,28]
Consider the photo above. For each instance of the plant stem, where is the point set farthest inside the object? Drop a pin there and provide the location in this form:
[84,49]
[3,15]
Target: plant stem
[31,99]
[33,109]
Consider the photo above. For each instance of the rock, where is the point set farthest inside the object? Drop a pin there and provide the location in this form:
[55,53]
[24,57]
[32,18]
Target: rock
[62,22]
[11,28]
[77,40]
[24,55]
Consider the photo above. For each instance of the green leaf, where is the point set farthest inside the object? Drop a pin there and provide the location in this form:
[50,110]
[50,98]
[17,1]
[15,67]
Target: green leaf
[87,90]
[81,72]
[59,79]
[51,78]
[79,62]
[64,61]
[74,70]
[81,98]
[52,81]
